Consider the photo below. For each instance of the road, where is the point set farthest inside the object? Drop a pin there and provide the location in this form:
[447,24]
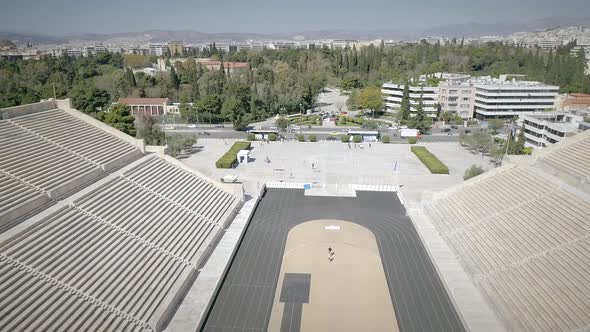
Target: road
[321,134]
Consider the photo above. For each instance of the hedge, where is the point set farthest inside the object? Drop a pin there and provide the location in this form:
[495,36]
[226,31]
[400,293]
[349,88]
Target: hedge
[251,137]
[231,156]
[357,138]
[385,139]
[313,138]
[300,138]
[412,140]
[429,160]
[272,137]
[345,138]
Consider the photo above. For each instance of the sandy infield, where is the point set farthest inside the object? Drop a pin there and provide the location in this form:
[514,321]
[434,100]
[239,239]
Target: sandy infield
[348,290]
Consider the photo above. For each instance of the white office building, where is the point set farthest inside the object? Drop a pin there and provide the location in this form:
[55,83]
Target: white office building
[503,98]
[157,49]
[544,129]
[393,95]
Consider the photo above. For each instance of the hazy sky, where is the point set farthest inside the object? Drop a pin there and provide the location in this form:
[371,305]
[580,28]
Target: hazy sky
[107,16]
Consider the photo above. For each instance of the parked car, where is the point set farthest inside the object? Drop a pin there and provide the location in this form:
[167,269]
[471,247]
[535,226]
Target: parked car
[455,127]
[446,130]
[204,133]
[392,128]
[403,127]
[169,128]
[467,131]
[192,125]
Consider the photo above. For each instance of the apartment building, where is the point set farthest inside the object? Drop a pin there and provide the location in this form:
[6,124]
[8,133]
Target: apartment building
[157,49]
[457,98]
[543,129]
[393,95]
[176,47]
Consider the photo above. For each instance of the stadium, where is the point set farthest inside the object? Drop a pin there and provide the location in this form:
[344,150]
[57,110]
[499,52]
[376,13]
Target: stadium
[100,232]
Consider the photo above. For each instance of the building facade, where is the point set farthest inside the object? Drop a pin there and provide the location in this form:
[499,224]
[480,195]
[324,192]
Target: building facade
[541,130]
[157,49]
[457,98]
[176,48]
[147,106]
[393,95]
[502,98]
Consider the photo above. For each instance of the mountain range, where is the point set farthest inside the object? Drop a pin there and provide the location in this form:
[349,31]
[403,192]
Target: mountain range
[470,29]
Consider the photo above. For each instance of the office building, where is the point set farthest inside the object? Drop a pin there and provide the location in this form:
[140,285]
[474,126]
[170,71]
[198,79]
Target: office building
[393,95]
[544,129]
[157,49]
[504,98]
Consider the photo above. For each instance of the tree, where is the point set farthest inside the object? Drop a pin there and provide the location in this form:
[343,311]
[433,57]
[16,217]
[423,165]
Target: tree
[120,117]
[282,123]
[147,131]
[209,104]
[87,98]
[516,146]
[353,100]
[495,125]
[405,108]
[421,121]
[185,110]
[174,81]
[472,172]
[130,77]
[232,110]
[371,98]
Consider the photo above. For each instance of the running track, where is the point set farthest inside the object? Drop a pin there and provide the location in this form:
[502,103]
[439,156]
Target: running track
[245,299]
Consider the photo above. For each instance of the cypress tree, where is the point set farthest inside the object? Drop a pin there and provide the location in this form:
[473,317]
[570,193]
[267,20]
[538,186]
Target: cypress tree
[405,105]
[355,59]
[130,77]
[196,94]
[420,115]
[174,78]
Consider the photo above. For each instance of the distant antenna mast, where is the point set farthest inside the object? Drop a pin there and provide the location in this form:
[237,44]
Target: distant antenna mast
[54,95]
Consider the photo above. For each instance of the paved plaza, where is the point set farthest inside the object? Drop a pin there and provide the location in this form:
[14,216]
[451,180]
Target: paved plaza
[328,163]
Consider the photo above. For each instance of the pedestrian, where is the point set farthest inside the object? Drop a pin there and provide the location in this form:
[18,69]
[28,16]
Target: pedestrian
[312,166]
[369,145]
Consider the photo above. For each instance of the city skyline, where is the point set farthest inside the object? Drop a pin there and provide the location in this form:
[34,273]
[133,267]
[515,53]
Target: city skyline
[68,17]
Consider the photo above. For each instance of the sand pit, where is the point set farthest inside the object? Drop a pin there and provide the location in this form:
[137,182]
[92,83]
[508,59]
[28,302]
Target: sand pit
[344,289]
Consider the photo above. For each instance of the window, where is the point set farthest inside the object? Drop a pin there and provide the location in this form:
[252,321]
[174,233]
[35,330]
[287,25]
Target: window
[464,106]
[453,92]
[465,98]
[453,99]
[465,91]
